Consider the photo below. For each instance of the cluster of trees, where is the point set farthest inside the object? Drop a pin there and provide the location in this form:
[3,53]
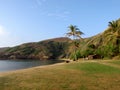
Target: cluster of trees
[106,45]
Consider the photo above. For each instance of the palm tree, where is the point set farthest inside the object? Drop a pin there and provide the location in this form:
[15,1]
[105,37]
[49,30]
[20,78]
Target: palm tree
[76,34]
[114,27]
[114,35]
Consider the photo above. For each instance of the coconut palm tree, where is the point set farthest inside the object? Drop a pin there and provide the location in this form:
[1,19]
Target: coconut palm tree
[76,35]
[114,34]
[74,32]
[114,27]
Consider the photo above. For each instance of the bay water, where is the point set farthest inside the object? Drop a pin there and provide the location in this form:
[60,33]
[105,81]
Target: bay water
[10,65]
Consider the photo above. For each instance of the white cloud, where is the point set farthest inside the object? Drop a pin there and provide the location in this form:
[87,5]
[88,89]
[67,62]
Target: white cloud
[38,3]
[59,15]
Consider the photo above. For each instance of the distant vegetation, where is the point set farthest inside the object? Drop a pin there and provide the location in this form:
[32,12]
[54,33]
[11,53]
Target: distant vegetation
[48,49]
[103,45]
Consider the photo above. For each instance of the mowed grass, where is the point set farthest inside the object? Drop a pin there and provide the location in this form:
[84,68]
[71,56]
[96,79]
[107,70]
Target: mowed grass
[116,62]
[93,68]
[72,76]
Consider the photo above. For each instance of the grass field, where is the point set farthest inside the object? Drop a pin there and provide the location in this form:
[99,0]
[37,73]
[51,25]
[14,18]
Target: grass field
[82,75]
[117,62]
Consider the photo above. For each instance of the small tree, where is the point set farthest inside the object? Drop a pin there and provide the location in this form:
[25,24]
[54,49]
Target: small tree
[76,35]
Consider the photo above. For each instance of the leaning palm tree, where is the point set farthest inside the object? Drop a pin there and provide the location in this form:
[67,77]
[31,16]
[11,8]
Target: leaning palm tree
[75,33]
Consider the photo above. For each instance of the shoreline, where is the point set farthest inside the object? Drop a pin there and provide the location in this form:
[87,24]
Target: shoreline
[40,67]
[28,69]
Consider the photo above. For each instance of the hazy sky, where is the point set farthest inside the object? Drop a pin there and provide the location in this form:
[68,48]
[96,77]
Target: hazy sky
[35,20]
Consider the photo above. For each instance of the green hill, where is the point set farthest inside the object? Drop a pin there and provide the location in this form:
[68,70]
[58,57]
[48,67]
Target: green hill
[3,49]
[48,49]
[106,44]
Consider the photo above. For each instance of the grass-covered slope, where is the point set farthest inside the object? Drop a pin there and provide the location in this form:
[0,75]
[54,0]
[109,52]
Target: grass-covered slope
[48,49]
[3,49]
[106,44]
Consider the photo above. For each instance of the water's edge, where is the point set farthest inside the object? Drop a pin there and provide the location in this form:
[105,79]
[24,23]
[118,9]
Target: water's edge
[11,65]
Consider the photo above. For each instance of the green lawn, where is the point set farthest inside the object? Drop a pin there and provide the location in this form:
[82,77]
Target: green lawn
[93,68]
[71,76]
[116,62]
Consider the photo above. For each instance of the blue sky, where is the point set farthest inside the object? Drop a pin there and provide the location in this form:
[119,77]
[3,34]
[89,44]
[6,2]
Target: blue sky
[24,21]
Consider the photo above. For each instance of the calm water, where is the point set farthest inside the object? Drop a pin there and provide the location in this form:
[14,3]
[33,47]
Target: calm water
[9,65]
